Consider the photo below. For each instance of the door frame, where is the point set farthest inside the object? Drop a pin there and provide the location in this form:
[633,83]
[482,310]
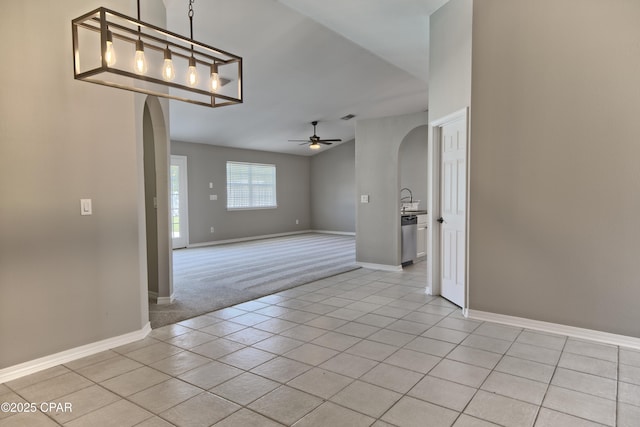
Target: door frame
[434,262]
[184,198]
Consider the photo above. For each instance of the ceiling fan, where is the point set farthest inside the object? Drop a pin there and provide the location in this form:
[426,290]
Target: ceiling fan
[314,141]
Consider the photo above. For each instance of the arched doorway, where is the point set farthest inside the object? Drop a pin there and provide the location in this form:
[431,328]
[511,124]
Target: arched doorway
[413,180]
[156,185]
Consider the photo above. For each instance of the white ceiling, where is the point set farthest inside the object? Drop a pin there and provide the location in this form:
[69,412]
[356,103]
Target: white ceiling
[307,60]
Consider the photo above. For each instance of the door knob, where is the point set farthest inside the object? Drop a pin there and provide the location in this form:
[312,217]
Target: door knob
[440,220]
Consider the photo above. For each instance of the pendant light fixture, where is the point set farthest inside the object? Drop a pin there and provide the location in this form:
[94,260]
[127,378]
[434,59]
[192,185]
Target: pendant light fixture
[168,71]
[139,61]
[160,55]
[214,80]
[110,53]
[192,73]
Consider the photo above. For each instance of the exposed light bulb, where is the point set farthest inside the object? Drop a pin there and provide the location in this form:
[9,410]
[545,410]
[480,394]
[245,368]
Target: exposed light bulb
[192,73]
[214,81]
[110,53]
[139,61]
[168,72]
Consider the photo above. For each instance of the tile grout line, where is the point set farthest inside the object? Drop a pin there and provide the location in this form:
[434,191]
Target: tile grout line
[617,411]
[406,394]
[555,368]
[363,374]
[492,370]
[351,378]
[324,400]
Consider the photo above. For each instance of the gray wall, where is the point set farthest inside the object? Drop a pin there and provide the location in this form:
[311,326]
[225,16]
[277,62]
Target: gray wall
[65,280]
[377,175]
[333,189]
[450,58]
[412,163]
[207,163]
[450,34]
[554,162]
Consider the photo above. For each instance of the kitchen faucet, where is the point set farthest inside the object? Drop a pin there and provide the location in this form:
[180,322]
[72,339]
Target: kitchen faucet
[405,197]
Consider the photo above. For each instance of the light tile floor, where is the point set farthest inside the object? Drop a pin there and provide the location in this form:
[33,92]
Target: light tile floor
[359,349]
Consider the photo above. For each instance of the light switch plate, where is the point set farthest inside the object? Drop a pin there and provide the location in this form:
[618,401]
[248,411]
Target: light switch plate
[213,197]
[85,207]
[364,198]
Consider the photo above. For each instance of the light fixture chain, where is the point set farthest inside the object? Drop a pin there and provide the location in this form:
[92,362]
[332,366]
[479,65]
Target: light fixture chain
[139,29]
[191,17]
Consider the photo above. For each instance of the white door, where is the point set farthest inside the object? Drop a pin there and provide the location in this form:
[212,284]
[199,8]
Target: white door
[179,215]
[453,211]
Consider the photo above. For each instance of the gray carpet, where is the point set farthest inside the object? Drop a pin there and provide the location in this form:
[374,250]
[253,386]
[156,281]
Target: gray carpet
[209,278]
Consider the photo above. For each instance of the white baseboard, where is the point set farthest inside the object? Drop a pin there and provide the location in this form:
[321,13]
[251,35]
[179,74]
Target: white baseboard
[246,239]
[153,296]
[556,328]
[266,236]
[165,300]
[341,233]
[383,267]
[33,366]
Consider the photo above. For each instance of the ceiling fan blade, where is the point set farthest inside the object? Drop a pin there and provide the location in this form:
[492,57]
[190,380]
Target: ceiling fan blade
[299,140]
[329,140]
[325,142]
[304,143]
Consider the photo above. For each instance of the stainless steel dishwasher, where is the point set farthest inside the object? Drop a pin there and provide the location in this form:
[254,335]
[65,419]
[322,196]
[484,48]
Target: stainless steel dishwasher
[409,227]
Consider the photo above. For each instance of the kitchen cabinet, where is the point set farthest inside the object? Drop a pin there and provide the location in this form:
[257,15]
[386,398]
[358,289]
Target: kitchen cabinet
[421,238]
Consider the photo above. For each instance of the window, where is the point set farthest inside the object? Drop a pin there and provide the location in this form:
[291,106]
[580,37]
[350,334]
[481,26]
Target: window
[251,186]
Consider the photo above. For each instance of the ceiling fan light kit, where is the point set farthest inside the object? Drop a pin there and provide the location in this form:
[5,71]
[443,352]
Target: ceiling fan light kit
[113,49]
[314,140]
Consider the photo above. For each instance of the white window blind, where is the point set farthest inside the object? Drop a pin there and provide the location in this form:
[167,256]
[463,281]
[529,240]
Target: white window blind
[251,186]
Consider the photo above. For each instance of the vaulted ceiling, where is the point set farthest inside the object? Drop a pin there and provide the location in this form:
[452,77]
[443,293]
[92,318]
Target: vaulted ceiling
[307,60]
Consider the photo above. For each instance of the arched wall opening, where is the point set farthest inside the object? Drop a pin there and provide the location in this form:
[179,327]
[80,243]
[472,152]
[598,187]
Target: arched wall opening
[157,217]
[413,183]
[413,162]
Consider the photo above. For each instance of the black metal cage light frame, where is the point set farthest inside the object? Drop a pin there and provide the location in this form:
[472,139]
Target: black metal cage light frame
[113,49]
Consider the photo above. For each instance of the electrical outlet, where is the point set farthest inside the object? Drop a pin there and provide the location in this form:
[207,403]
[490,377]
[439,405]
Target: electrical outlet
[211,229]
[364,198]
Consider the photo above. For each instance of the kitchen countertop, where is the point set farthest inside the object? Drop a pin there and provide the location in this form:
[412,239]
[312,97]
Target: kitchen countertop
[413,213]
